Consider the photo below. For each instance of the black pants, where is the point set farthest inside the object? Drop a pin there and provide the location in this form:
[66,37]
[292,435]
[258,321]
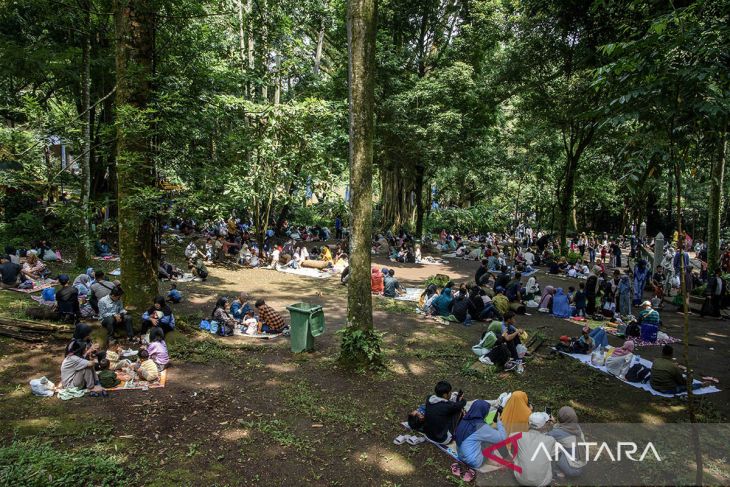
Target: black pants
[512,346]
[147,324]
[109,324]
[716,300]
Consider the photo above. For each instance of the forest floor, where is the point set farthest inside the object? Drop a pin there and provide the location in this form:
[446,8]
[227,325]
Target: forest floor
[239,411]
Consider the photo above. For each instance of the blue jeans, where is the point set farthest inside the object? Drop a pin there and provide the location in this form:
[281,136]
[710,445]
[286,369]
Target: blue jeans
[682,389]
[600,339]
[489,311]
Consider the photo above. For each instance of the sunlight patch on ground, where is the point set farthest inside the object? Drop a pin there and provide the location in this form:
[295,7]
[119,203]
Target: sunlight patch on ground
[387,460]
[651,418]
[285,367]
[416,369]
[236,434]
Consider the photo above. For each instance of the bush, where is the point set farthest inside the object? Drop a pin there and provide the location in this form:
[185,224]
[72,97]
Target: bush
[440,280]
[32,463]
[572,257]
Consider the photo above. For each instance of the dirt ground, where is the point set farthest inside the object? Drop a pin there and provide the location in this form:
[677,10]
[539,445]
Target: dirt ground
[240,411]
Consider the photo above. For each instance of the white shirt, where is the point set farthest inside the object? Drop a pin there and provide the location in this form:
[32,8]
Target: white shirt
[529,258]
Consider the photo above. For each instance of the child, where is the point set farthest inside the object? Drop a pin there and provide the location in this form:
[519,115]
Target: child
[571,293]
[107,378]
[157,349]
[251,324]
[209,249]
[113,355]
[174,296]
[580,300]
[146,368]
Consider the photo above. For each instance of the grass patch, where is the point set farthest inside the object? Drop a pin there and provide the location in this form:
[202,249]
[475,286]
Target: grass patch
[202,351]
[340,410]
[393,306]
[278,431]
[32,463]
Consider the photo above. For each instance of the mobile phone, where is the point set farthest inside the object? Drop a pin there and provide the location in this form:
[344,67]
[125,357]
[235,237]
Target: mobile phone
[549,411]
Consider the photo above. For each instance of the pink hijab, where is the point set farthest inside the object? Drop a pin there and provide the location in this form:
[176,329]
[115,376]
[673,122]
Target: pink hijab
[626,349]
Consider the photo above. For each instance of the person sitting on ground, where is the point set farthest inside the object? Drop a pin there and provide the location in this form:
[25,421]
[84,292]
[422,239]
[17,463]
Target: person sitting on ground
[240,306]
[499,353]
[326,255]
[219,253]
[99,289]
[271,319]
[532,288]
[473,434]
[376,281]
[391,286]
[481,272]
[427,297]
[442,304]
[174,296]
[33,268]
[500,301]
[516,414]
[443,414]
[77,368]
[569,434]
[461,306]
[146,368]
[82,283]
[580,301]
[619,361]
[191,250]
[158,315]
[67,301]
[9,273]
[648,315]
[511,334]
[199,269]
[222,316]
[12,254]
[157,349]
[513,290]
[536,465]
[112,313]
[546,302]
[107,377]
[102,248]
[561,306]
[503,279]
[667,376]
[476,302]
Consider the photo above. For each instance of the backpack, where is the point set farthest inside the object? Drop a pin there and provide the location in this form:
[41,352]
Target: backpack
[49,294]
[638,373]
[633,329]
[205,325]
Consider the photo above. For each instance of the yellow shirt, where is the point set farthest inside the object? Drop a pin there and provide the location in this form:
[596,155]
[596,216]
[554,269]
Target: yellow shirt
[148,371]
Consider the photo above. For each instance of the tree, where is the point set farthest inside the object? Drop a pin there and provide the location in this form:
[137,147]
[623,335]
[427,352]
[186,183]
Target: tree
[84,249]
[360,345]
[135,47]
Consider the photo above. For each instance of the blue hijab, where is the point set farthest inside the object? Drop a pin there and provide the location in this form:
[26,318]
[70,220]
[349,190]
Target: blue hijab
[473,420]
[561,306]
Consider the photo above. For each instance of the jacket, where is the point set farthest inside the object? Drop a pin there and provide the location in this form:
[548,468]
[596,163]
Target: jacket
[440,417]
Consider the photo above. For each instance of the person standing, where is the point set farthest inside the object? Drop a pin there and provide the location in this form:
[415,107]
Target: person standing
[338,227]
[715,291]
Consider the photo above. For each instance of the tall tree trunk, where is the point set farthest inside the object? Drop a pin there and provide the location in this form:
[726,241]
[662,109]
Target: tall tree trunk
[715,207]
[419,201]
[134,22]
[318,50]
[565,200]
[83,256]
[361,43]
[250,46]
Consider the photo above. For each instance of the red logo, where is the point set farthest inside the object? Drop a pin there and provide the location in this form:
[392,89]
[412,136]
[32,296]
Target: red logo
[487,452]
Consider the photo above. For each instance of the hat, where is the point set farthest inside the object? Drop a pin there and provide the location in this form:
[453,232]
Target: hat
[63,278]
[646,303]
[565,339]
[538,420]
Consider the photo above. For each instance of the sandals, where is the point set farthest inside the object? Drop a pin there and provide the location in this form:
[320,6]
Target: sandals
[99,394]
[467,475]
[411,440]
[400,439]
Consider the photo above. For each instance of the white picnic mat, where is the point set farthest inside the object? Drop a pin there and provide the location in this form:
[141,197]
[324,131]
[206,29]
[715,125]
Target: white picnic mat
[305,271]
[412,294]
[586,359]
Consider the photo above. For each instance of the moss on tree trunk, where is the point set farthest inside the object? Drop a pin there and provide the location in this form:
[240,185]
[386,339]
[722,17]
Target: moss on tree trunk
[134,21]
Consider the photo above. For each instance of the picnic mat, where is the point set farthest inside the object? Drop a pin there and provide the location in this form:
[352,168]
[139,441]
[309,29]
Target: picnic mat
[586,359]
[432,261]
[113,258]
[412,294]
[610,328]
[38,285]
[126,385]
[307,272]
[187,278]
[261,336]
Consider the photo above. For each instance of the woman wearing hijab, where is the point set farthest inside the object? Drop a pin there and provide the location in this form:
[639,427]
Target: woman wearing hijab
[472,434]
[159,314]
[568,433]
[442,304]
[592,290]
[82,283]
[82,334]
[624,295]
[561,305]
[516,413]
[532,288]
[641,274]
[619,361]
[77,368]
[546,302]
[376,281]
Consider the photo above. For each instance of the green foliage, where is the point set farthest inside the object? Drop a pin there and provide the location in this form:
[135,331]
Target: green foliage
[199,351]
[361,349]
[572,257]
[480,218]
[33,463]
[440,280]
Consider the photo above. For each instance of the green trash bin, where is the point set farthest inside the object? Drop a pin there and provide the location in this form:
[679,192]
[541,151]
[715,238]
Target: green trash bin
[307,322]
